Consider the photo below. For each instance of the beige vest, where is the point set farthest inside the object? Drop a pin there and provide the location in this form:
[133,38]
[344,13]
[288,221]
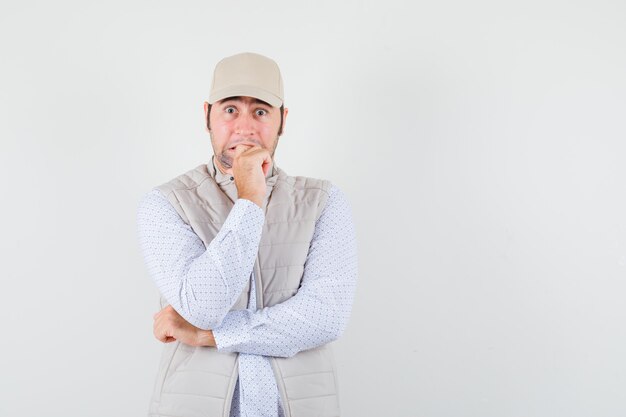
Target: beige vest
[200,381]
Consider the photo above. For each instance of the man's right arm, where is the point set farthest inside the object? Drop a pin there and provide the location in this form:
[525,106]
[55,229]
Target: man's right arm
[201,283]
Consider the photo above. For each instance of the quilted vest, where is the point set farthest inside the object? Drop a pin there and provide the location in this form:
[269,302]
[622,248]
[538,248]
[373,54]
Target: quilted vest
[200,381]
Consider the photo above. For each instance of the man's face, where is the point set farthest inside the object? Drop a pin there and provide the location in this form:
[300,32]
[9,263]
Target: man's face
[242,120]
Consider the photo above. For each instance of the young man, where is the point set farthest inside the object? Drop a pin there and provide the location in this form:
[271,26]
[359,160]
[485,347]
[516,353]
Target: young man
[257,269]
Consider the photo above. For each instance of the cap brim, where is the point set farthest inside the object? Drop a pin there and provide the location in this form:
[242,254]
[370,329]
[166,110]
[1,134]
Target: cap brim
[245,90]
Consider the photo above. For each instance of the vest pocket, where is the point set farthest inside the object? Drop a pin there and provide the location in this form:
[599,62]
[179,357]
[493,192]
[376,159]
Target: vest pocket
[309,382]
[195,382]
[168,353]
[199,371]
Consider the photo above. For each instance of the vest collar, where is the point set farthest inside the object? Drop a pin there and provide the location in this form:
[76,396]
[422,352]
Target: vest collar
[226,180]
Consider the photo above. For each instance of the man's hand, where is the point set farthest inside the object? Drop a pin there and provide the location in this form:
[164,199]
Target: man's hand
[250,166]
[170,326]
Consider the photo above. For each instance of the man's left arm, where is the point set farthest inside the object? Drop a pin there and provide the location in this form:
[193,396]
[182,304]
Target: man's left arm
[319,312]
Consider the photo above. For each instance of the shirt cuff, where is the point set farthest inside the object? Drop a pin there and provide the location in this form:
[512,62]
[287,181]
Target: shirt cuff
[245,217]
[233,331]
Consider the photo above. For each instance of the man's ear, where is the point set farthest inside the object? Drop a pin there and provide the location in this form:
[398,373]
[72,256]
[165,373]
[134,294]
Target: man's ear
[285,111]
[206,117]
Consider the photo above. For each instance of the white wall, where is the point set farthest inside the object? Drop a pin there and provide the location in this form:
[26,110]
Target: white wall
[481,144]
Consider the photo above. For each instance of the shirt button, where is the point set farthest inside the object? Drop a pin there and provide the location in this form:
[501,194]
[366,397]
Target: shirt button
[232,178]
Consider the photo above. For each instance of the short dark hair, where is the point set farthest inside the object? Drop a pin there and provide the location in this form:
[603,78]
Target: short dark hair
[282,108]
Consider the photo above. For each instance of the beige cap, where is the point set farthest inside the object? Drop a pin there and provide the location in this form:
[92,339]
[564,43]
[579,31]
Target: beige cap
[247,74]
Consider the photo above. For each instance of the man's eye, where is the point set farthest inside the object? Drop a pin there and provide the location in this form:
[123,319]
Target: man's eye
[261,112]
[228,109]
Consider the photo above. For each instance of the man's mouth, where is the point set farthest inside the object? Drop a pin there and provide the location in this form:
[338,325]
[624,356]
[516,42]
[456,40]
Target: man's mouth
[232,148]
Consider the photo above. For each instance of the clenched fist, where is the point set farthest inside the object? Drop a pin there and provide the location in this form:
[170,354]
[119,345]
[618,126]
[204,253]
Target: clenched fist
[170,326]
[250,166]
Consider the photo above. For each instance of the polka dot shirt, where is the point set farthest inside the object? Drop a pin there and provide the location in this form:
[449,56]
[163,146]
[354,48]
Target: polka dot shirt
[202,283]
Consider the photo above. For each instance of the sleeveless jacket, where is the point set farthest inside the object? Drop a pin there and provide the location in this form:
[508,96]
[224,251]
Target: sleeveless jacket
[200,381]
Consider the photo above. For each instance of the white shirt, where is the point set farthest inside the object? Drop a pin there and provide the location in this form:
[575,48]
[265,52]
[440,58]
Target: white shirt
[202,283]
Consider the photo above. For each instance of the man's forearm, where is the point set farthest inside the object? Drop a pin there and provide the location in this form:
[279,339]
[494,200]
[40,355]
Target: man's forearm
[200,283]
[205,338]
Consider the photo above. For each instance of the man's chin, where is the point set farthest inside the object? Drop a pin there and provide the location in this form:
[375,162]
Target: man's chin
[225,161]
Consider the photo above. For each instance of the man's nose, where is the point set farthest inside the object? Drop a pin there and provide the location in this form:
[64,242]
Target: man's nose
[244,125]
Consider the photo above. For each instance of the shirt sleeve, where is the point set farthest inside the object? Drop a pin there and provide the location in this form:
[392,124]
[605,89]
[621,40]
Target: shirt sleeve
[318,313]
[200,283]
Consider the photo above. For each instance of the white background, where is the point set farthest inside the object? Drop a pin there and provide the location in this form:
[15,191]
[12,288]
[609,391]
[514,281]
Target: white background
[481,145]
